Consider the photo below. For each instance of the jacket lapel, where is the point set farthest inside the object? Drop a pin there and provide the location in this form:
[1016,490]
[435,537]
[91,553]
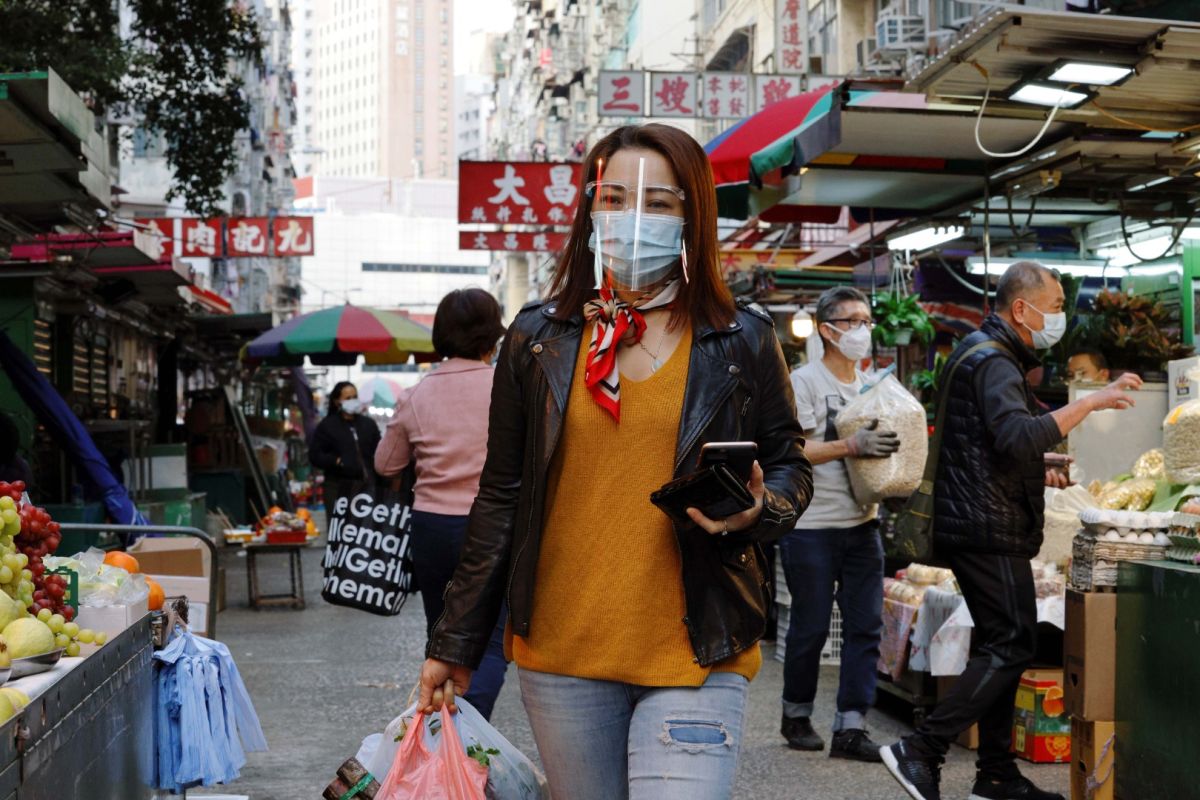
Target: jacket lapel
[711,379]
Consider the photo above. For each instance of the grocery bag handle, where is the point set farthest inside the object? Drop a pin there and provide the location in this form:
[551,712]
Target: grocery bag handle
[878,380]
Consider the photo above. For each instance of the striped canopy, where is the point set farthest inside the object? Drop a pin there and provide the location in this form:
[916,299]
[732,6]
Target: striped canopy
[338,335]
[782,137]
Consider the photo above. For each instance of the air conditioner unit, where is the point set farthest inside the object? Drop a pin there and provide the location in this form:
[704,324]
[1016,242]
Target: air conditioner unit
[864,52]
[900,33]
[886,9]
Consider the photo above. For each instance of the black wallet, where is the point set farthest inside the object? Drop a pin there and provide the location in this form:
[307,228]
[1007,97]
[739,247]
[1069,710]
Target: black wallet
[714,490]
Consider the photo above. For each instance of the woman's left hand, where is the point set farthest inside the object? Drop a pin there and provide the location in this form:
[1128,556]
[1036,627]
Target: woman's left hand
[741,521]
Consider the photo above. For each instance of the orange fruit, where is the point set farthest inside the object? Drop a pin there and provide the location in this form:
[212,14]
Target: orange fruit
[119,558]
[157,595]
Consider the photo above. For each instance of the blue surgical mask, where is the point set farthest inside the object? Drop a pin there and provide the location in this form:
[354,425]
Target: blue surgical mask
[352,406]
[658,243]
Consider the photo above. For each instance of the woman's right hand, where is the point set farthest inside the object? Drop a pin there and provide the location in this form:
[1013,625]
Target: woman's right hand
[441,681]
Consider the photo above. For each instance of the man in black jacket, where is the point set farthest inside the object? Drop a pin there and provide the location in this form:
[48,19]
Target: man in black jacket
[989,504]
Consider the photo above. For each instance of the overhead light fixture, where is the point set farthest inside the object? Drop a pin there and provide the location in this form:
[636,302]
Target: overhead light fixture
[1042,94]
[1088,74]
[802,324]
[1148,184]
[925,238]
[1033,184]
[1156,247]
[1156,269]
[1078,268]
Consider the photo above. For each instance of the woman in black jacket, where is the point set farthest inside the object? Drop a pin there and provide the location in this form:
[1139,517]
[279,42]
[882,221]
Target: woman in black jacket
[635,637]
[343,446]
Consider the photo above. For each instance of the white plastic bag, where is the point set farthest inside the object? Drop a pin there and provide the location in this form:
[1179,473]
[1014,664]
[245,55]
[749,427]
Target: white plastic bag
[1181,443]
[898,475]
[511,776]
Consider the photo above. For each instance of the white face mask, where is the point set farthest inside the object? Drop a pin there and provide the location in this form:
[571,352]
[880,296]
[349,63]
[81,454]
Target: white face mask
[854,344]
[352,406]
[1054,326]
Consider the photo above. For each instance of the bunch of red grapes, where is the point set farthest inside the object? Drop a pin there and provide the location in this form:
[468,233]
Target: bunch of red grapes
[34,535]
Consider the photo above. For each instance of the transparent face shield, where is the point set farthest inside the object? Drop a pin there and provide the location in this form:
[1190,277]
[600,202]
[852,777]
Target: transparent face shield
[637,230]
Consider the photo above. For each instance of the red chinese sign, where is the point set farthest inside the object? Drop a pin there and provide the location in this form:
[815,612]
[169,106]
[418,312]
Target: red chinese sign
[512,242]
[247,236]
[233,237]
[294,236]
[201,238]
[674,94]
[622,94]
[791,36]
[517,192]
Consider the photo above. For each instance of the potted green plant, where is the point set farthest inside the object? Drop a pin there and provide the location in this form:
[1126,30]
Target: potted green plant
[899,318]
[1134,332]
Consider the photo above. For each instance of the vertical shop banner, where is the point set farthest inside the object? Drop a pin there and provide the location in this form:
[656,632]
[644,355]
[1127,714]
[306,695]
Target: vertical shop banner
[791,36]
[543,242]
[674,94]
[622,93]
[247,236]
[294,236]
[163,230]
[517,192]
[771,89]
[726,95]
[201,238]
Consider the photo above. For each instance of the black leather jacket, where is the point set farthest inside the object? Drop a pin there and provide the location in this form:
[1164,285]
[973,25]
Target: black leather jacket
[737,389]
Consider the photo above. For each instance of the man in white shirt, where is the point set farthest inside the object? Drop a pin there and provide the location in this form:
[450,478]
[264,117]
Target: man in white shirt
[835,550]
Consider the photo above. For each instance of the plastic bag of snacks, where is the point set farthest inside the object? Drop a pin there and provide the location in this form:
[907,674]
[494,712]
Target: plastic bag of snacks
[898,475]
[1181,443]
[1150,464]
[1132,495]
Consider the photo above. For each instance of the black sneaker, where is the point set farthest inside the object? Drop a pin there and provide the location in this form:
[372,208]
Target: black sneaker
[855,745]
[920,776]
[1016,789]
[800,734]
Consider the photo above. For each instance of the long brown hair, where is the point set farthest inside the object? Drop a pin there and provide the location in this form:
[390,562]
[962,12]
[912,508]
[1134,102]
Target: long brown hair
[704,299]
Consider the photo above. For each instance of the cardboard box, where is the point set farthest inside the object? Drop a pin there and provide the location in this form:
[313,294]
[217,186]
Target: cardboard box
[1090,655]
[1181,388]
[1092,759]
[172,555]
[970,737]
[1041,727]
[195,590]
[110,620]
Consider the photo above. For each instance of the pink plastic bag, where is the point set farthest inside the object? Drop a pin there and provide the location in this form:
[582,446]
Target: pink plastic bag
[446,774]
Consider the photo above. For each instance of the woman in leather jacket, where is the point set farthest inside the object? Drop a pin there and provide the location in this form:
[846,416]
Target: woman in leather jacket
[635,637]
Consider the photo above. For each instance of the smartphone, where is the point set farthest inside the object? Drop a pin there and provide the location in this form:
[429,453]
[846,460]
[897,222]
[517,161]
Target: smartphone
[739,456]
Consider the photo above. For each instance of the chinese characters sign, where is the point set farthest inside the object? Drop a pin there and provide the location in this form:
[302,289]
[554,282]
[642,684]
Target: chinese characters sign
[770,89]
[674,94]
[234,237]
[726,94]
[622,94]
[791,36]
[517,192]
[542,242]
[708,95]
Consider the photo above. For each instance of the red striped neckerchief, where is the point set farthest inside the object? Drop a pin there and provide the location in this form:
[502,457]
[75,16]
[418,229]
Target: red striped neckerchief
[618,322]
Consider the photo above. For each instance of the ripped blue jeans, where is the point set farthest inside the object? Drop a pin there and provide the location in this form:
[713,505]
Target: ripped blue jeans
[601,740]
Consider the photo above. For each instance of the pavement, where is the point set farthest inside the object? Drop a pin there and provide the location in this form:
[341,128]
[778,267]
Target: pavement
[324,677]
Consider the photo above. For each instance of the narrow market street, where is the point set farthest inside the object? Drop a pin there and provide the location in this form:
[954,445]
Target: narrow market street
[325,677]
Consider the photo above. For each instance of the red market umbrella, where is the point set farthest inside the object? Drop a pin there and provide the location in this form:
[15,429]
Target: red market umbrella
[780,139]
[340,334]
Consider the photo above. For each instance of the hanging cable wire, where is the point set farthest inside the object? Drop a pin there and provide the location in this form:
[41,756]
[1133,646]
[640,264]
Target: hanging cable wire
[987,92]
[1012,223]
[966,283]
[1174,239]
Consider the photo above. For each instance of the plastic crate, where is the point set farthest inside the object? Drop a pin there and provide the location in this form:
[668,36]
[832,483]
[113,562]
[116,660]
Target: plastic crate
[830,654]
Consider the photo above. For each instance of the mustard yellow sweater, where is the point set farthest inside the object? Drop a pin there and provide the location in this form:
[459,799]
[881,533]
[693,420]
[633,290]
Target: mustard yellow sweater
[608,602]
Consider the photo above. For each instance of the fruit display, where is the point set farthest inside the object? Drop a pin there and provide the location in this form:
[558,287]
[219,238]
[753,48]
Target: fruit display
[28,536]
